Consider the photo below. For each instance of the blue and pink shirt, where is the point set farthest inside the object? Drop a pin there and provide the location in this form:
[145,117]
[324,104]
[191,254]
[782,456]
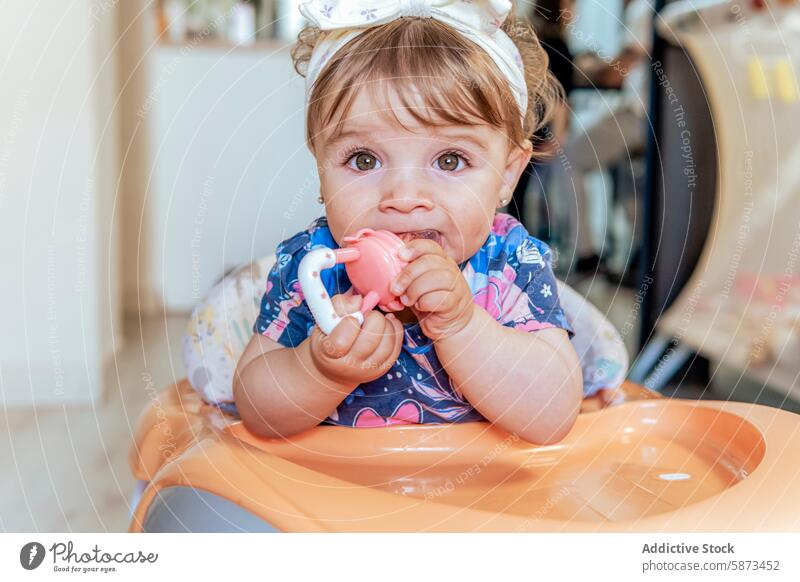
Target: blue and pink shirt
[510,276]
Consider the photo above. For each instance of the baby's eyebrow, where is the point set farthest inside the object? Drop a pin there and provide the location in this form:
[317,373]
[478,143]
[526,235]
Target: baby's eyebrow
[445,136]
[470,137]
[343,135]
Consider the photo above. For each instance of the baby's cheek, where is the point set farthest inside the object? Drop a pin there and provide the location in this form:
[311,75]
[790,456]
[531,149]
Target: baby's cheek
[467,239]
[348,210]
[340,223]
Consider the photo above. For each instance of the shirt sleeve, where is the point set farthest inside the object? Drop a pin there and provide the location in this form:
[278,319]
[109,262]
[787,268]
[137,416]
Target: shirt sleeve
[284,315]
[532,300]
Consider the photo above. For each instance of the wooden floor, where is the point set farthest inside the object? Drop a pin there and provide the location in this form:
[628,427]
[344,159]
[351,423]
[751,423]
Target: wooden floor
[64,469]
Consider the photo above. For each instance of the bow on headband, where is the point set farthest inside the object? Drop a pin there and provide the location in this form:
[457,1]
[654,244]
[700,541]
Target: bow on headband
[479,15]
[478,20]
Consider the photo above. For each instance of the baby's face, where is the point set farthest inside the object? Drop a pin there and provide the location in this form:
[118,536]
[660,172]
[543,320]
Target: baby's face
[443,183]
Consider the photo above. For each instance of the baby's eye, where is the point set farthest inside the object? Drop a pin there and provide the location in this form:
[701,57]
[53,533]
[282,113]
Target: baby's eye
[364,161]
[450,162]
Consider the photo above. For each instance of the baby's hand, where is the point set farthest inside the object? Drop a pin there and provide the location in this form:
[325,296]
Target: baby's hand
[353,354]
[435,289]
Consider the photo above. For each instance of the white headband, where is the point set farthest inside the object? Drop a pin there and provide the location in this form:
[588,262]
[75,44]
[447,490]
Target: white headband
[478,20]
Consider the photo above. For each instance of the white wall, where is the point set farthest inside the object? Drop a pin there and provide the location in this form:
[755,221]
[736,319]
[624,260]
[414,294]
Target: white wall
[59,296]
[228,175]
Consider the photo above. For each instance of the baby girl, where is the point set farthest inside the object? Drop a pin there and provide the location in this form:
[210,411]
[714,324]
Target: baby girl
[418,115]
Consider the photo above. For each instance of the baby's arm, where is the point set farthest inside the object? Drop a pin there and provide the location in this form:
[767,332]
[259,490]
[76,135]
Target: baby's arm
[281,391]
[527,383]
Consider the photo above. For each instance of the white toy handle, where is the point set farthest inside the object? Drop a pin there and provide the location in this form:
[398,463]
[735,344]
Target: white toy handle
[309,273]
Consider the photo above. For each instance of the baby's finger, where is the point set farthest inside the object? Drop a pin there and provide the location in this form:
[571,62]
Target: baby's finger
[416,269]
[351,293]
[435,302]
[387,351]
[418,247]
[369,337]
[345,304]
[341,339]
[399,336]
[429,282]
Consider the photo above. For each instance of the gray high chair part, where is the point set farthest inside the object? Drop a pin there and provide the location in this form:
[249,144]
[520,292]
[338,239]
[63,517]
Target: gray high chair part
[189,510]
[221,326]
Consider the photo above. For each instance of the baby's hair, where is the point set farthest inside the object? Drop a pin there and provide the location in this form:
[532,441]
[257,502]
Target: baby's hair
[458,81]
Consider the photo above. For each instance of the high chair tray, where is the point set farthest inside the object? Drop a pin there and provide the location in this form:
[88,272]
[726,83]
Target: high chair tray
[654,465]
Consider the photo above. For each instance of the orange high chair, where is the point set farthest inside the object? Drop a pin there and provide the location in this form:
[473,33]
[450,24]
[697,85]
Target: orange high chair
[650,464]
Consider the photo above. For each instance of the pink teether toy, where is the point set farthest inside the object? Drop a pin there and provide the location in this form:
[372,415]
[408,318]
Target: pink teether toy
[372,264]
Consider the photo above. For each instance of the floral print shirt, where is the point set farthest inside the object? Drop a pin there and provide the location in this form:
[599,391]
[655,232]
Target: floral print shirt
[510,277]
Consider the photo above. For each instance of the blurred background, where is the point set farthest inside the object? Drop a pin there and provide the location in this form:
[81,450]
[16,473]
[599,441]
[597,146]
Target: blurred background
[147,148]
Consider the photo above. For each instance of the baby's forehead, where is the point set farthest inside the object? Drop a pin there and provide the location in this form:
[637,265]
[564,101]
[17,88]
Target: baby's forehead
[401,121]
[380,111]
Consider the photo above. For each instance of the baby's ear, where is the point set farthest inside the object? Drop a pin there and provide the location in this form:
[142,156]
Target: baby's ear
[517,161]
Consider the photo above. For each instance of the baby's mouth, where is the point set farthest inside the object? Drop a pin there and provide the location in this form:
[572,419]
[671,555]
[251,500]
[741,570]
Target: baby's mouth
[430,234]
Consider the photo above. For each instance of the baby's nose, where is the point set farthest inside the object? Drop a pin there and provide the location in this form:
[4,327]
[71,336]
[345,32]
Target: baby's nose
[405,191]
